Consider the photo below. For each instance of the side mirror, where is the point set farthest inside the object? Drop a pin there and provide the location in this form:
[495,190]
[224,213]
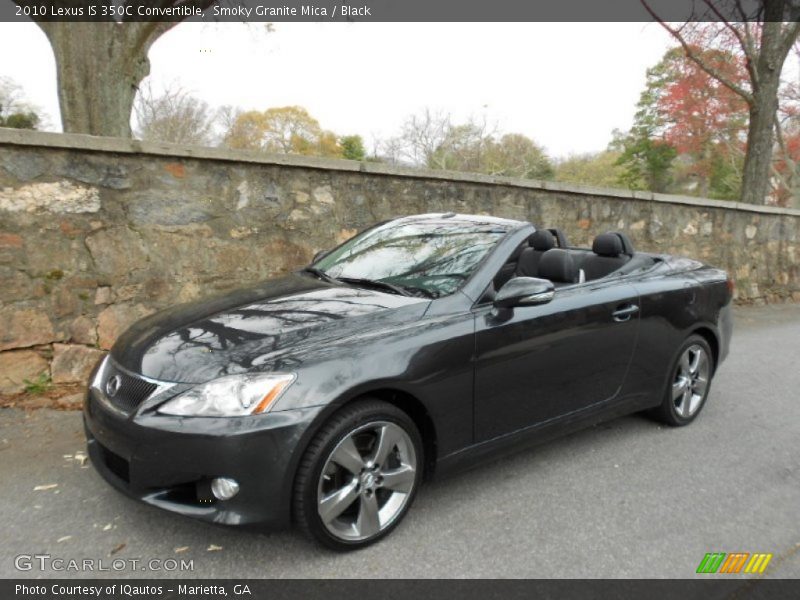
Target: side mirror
[524,291]
[318,255]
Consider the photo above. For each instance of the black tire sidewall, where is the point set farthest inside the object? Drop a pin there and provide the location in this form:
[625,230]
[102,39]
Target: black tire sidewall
[355,416]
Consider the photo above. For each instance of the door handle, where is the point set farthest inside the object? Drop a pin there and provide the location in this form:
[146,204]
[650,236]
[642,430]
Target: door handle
[625,312]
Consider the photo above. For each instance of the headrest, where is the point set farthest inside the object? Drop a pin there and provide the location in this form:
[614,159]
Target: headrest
[542,240]
[607,244]
[557,266]
[516,253]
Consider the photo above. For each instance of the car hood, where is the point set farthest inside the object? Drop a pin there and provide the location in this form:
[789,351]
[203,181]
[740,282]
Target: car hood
[270,326]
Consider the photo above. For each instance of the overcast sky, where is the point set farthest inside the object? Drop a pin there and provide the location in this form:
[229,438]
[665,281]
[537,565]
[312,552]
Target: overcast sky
[565,85]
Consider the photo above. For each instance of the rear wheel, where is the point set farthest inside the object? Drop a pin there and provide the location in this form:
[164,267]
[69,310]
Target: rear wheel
[689,383]
[359,475]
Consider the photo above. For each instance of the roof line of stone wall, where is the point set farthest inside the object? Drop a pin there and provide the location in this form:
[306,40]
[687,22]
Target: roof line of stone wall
[88,143]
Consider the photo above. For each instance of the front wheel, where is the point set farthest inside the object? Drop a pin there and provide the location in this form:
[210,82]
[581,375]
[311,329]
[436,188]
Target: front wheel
[689,384]
[359,475]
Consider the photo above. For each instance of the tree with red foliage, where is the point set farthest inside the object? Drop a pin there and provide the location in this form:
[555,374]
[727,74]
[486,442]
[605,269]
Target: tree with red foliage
[763,39]
[704,120]
[688,132]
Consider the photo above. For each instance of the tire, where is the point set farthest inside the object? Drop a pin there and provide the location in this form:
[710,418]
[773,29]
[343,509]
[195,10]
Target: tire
[342,493]
[688,385]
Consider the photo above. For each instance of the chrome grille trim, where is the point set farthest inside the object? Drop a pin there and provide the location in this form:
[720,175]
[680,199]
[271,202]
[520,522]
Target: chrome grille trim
[134,389]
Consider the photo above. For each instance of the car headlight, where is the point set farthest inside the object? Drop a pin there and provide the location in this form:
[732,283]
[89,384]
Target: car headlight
[231,396]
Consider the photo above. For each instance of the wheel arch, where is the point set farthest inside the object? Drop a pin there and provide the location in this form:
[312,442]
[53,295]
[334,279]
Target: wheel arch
[402,399]
[712,338]
[415,409]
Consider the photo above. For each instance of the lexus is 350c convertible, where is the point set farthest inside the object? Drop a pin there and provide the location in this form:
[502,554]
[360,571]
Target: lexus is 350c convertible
[421,345]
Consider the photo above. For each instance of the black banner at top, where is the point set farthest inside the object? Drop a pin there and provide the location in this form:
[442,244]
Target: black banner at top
[398,10]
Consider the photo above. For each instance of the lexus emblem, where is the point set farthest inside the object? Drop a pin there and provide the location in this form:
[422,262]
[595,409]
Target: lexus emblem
[112,385]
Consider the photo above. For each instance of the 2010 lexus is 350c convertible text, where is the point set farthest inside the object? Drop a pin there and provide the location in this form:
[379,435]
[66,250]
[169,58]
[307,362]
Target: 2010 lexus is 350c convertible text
[421,345]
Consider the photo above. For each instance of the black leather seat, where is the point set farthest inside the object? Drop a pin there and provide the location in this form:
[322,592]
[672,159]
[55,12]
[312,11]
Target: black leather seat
[558,266]
[540,242]
[610,252]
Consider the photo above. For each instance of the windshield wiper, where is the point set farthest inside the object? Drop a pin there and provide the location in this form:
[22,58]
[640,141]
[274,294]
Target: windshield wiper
[389,287]
[320,273]
[415,291]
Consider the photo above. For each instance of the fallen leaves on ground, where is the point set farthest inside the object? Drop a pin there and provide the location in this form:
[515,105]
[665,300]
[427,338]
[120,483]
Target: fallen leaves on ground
[64,396]
[79,457]
[42,488]
[118,548]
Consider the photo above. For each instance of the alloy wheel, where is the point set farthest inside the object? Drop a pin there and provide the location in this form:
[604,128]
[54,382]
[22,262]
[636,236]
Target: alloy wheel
[691,381]
[367,481]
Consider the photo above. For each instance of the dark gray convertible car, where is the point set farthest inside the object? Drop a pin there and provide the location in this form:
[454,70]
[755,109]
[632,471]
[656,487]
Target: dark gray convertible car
[421,345]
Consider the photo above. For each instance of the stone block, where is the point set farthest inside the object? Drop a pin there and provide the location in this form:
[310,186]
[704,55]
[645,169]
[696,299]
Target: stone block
[17,366]
[83,330]
[103,295]
[115,319]
[116,252]
[23,328]
[73,363]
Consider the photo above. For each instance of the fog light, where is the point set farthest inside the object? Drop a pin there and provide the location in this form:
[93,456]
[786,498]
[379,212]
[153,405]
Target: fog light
[224,488]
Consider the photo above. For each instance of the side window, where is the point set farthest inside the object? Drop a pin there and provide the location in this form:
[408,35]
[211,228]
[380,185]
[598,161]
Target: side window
[506,272]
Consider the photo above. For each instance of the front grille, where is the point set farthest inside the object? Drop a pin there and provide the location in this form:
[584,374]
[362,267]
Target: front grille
[132,391]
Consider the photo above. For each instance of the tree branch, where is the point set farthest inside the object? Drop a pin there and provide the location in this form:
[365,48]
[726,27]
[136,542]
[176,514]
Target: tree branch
[692,55]
[750,52]
[724,21]
[149,31]
[745,41]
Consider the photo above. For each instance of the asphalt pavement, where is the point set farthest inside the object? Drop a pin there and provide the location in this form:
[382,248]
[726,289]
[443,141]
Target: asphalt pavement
[628,498]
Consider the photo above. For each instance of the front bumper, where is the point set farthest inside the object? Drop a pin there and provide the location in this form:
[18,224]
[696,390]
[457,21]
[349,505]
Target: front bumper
[169,461]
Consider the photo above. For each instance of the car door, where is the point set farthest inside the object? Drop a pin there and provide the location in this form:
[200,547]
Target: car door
[537,363]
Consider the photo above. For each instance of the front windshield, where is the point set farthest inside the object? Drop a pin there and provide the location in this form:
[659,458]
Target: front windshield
[432,256]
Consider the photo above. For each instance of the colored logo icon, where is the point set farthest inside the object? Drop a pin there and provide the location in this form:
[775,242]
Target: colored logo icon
[735,562]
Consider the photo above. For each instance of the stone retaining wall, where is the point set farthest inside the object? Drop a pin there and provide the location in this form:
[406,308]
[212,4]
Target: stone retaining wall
[98,232]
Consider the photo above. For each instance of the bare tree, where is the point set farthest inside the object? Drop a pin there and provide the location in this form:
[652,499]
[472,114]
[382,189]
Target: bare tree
[431,139]
[226,118]
[15,111]
[390,150]
[764,39]
[464,148]
[100,65]
[174,116]
[421,135]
